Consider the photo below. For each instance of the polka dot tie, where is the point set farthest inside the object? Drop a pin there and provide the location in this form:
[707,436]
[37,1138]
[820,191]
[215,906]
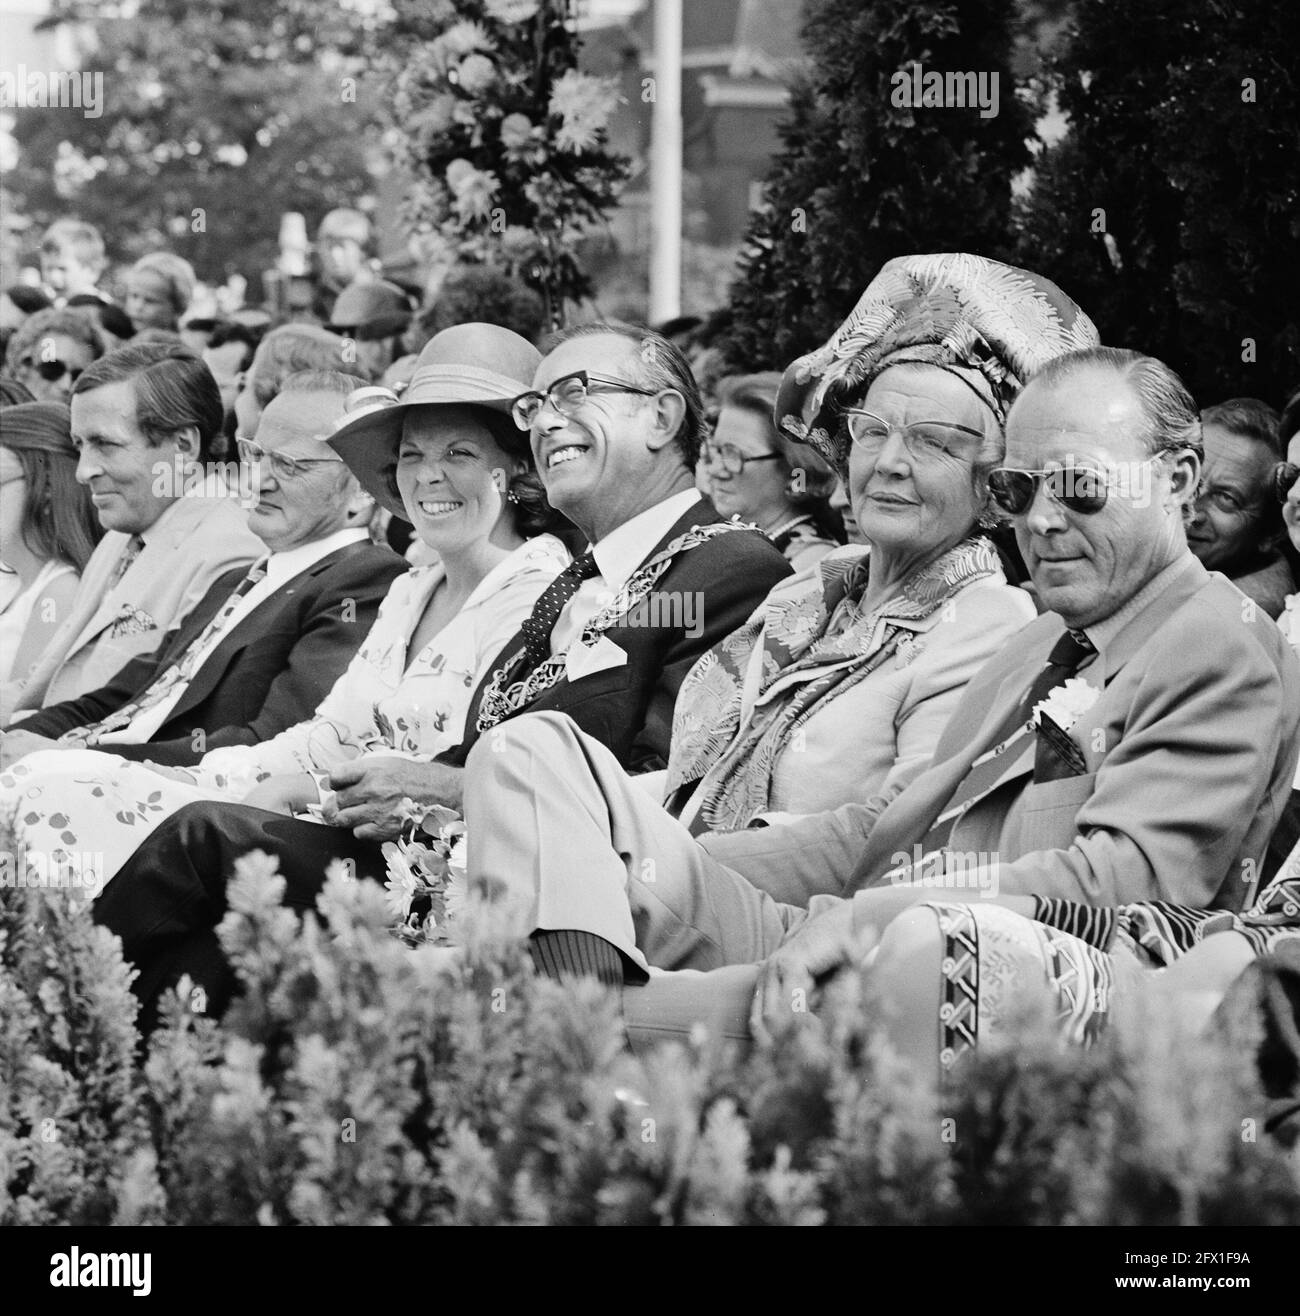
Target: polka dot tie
[546,611]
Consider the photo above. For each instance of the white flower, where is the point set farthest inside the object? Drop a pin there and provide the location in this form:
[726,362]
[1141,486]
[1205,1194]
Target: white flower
[476,74]
[472,188]
[1067,703]
[516,131]
[511,11]
[463,37]
[402,884]
[583,104]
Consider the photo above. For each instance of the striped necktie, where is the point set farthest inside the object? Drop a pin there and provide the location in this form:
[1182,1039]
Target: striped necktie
[1014,736]
[538,626]
[174,675]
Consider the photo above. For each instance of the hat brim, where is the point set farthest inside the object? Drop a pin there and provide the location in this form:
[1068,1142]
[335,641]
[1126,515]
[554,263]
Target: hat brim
[369,444]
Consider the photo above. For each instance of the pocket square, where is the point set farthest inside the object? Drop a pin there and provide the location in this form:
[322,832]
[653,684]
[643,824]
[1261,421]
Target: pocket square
[131,621]
[1057,756]
[586,660]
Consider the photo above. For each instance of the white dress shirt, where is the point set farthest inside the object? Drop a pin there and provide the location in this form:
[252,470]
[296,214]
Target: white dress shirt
[618,555]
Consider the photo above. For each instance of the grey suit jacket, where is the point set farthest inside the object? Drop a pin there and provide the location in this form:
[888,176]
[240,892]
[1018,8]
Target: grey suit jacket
[1190,753]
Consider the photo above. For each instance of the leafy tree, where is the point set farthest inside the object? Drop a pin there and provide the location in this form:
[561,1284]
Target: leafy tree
[861,178]
[1171,210]
[216,119]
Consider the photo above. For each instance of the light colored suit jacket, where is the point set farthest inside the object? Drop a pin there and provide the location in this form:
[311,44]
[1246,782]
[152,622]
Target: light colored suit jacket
[1190,752]
[194,541]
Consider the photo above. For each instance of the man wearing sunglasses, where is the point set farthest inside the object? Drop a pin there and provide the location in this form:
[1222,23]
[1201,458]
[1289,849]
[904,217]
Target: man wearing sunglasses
[1178,747]
[265,644]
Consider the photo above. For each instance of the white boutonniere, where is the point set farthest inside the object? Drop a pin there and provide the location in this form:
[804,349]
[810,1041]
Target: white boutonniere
[1066,704]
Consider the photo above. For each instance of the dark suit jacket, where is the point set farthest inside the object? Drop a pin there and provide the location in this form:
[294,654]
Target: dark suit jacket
[268,673]
[630,708]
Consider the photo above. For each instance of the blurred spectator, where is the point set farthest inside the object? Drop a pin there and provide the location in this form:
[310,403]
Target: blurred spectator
[373,315]
[17,304]
[342,257]
[114,323]
[284,352]
[228,354]
[758,475]
[72,259]
[51,349]
[480,293]
[158,291]
[1236,526]
[12,393]
[48,530]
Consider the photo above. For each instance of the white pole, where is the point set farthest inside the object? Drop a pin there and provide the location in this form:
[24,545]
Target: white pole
[666,165]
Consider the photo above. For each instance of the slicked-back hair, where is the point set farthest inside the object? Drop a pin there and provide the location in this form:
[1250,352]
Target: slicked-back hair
[173,389]
[1254,419]
[1172,421]
[291,349]
[660,364]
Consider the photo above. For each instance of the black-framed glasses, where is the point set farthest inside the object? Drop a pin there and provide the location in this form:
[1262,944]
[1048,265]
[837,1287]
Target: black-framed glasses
[1285,474]
[568,393]
[283,466]
[729,458]
[53,371]
[1081,489]
[925,440]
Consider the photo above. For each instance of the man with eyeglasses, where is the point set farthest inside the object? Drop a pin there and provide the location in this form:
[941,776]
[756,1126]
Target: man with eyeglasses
[265,644]
[615,422]
[1177,741]
[1237,524]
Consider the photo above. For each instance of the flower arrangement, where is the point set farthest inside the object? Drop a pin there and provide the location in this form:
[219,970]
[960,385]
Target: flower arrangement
[507,138]
[425,888]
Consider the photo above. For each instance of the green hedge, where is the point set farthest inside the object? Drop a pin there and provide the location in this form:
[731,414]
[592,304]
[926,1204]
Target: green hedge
[359,1081]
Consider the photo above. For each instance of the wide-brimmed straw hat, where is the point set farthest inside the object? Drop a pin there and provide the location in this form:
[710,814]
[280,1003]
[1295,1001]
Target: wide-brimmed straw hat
[469,365]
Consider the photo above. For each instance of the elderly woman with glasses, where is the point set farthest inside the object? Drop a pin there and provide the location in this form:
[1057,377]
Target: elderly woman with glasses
[838,688]
[48,352]
[757,474]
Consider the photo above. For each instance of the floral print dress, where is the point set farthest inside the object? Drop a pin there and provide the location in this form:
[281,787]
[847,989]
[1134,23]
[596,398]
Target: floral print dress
[81,813]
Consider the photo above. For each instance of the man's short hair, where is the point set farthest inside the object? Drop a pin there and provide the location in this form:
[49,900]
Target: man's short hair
[323,381]
[1173,424]
[231,331]
[173,389]
[293,348]
[660,365]
[345,222]
[78,237]
[175,271]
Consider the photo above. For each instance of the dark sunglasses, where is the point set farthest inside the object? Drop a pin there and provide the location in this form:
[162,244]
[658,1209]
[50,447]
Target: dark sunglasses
[53,371]
[1285,474]
[1077,488]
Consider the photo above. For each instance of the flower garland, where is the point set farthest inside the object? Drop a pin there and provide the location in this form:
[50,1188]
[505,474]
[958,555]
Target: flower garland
[426,884]
[508,140]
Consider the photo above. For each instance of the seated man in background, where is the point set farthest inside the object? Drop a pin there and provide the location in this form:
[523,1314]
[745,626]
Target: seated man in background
[262,648]
[1237,522]
[145,420]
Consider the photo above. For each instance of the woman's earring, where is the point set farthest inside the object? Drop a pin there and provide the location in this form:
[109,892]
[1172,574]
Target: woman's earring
[511,496]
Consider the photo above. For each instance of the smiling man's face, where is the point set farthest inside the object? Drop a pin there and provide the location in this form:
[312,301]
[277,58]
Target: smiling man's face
[598,463]
[1086,567]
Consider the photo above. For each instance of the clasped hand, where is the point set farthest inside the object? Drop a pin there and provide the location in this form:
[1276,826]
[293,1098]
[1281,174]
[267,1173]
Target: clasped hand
[369,794]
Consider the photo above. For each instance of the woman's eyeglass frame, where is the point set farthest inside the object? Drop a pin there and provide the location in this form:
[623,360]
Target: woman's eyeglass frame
[730,458]
[53,371]
[525,408]
[868,441]
[283,466]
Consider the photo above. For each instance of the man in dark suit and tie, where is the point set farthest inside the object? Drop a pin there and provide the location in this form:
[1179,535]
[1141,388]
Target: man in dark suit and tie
[263,647]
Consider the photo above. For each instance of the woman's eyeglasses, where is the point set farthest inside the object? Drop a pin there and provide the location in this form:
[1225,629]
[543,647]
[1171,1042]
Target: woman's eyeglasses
[283,467]
[567,394]
[1285,474]
[53,371]
[925,440]
[728,458]
[1079,489]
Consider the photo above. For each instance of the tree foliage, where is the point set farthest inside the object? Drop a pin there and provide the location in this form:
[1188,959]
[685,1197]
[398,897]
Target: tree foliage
[1171,210]
[217,118]
[860,179]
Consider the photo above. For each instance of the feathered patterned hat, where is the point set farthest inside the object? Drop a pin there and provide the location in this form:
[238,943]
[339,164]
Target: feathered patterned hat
[991,325]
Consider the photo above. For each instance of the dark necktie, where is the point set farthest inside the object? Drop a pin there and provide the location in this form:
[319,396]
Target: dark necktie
[546,611]
[1067,656]
[130,551]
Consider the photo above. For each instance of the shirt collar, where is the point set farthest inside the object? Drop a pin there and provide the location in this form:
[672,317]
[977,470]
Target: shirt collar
[1104,633]
[624,549]
[284,566]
